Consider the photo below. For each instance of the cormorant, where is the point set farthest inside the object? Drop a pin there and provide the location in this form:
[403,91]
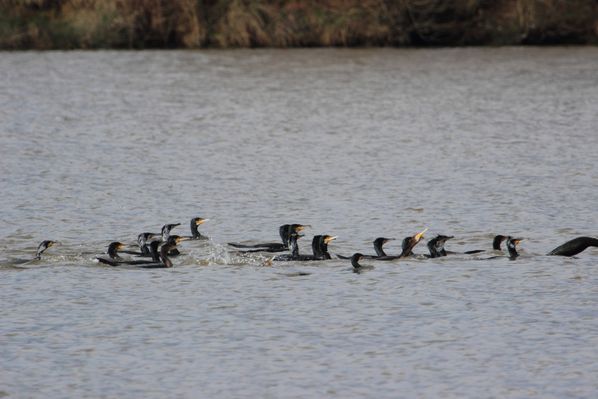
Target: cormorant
[165,250]
[116,260]
[42,247]
[166,230]
[378,247]
[159,259]
[194,224]
[144,248]
[407,246]
[319,246]
[358,268]
[294,249]
[512,247]
[436,247]
[284,231]
[497,241]
[574,246]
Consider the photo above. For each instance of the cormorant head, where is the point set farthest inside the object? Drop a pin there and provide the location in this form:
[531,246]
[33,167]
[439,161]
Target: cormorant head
[286,230]
[167,227]
[497,241]
[114,247]
[355,260]
[512,246]
[298,228]
[436,245]
[513,242]
[199,221]
[440,240]
[380,241]
[327,238]
[175,240]
[410,242]
[144,237]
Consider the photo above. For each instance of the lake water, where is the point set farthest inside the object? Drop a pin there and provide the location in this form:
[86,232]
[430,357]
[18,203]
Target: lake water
[100,146]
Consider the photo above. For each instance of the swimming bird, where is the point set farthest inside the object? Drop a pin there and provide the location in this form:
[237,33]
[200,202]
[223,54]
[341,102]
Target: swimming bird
[512,247]
[142,242]
[160,259]
[319,246]
[407,246]
[116,260]
[284,231]
[194,224]
[166,230]
[436,247]
[357,267]
[41,248]
[165,251]
[294,249]
[378,247]
[574,246]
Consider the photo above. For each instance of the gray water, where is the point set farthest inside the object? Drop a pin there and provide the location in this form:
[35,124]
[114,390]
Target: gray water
[100,146]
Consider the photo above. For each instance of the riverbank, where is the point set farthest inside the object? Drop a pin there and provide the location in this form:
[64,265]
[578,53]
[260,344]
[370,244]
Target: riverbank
[90,24]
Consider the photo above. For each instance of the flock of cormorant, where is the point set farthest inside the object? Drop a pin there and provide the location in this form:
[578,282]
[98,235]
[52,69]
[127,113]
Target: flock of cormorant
[156,249]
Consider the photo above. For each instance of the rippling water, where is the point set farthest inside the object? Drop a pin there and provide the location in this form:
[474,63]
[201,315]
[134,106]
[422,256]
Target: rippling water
[99,146]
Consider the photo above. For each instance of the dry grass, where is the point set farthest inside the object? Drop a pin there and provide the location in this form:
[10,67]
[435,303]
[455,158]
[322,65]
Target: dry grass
[283,23]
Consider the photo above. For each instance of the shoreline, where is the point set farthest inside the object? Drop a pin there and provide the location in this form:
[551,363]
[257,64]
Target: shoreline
[216,24]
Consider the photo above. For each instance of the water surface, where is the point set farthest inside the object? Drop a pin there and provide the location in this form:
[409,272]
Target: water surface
[100,146]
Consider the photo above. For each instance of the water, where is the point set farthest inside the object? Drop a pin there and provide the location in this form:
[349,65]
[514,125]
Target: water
[100,146]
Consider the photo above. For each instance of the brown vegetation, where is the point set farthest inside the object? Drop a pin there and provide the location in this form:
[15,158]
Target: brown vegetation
[44,24]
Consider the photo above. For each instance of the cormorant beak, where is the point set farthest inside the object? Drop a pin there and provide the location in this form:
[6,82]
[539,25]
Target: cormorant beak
[388,239]
[200,221]
[419,236]
[327,239]
[179,239]
[121,246]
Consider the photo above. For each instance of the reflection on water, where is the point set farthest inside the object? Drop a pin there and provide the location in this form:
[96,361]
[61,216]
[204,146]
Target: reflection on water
[100,146]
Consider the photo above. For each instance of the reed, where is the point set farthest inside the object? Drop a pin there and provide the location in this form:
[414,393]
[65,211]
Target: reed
[65,24]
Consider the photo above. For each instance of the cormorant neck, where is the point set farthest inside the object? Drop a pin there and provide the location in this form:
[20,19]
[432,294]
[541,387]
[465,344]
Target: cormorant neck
[164,254]
[512,250]
[113,251]
[154,251]
[355,261]
[285,231]
[195,230]
[378,247]
[294,247]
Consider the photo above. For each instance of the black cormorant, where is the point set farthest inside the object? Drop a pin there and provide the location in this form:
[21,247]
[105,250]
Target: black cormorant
[378,247]
[357,267]
[512,247]
[574,246]
[319,246]
[407,246]
[42,247]
[194,224]
[284,231]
